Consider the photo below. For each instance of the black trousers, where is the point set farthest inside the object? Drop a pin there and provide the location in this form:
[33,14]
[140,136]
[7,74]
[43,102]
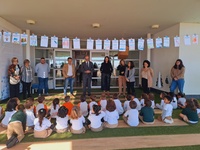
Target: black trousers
[145,87]
[87,78]
[14,90]
[105,82]
[130,88]
[26,89]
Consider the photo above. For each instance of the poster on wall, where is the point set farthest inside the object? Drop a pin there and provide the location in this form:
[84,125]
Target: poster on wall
[24,39]
[7,37]
[131,44]
[98,44]
[16,38]
[44,41]
[166,42]
[54,42]
[115,44]
[158,42]
[141,44]
[195,39]
[176,41]
[150,44]
[122,45]
[90,44]
[76,43]
[187,40]
[106,45]
[65,42]
[33,40]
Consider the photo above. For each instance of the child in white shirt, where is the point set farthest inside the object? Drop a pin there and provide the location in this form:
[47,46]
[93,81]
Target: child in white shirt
[41,105]
[161,105]
[76,121]
[138,107]
[143,97]
[42,127]
[131,116]
[54,108]
[181,100]
[111,116]
[166,115]
[126,103]
[95,119]
[83,106]
[174,100]
[62,120]
[92,101]
[30,117]
[103,102]
[151,98]
[118,104]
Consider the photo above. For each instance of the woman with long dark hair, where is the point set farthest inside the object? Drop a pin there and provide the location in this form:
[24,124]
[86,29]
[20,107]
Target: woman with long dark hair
[106,71]
[130,78]
[177,74]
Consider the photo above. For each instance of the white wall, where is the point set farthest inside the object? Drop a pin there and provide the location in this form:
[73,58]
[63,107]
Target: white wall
[191,59]
[7,51]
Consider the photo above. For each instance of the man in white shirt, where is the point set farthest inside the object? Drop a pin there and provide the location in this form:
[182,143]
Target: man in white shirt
[69,75]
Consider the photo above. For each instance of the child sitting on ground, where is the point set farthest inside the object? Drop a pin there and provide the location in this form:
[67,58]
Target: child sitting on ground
[143,97]
[54,108]
[147,113]
[9,111]
[111,115]
[161,105]
[189,113]
[126,103]
[41,104]
[17,125]
[77,121]
[118,104]
[30,117]
[166,115]
[31,99]
[151,98]
[62,120]
[131,116]
[181,100]
[42,127]
[83,106]
[95,118]
[68,104]
[174,100]
[103,102]
[137,102]
[196,103]
[92,101]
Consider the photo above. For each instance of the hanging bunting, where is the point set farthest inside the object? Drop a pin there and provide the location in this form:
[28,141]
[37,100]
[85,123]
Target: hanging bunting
[65,42]
[16,38]
[76,43]
[106,44]
[141,44]
[131,44]
[122,45]
[176,41]
[24,39]
[54,42]
[90,44]
[158,42]
[150,44]
[33,40]
[7,37]
[187,40]
[98,44]
[115,44]
[166,42]
[44,41]
[195,39]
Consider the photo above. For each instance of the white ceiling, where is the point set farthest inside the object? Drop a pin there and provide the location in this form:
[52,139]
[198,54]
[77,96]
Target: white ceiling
[118,18]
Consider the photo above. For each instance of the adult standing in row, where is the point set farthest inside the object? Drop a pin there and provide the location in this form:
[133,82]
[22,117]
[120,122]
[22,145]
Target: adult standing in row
[87,69]
[26,78]
[130,78]
[42,69]
[69,75]
[14,72]
[106,71]
[147,76]
[177,74]
[122,79]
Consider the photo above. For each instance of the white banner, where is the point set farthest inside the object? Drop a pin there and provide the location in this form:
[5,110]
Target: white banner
[33,40]
[44,41]
[76,43]
[131,44]
[166,42]
[150,44]
[65,42]
[24,39]
[98,44]
[122,45]
[115,44]
[176,41]
[141,44]
[54,42]
[106,44]
[158,42]
[7,37]
[90,44]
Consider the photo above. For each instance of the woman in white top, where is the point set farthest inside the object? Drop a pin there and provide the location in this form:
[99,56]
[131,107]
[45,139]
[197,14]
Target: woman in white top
[77,120]
[42,125]
[62,120]
[54,108]
[95,119]
[112,116]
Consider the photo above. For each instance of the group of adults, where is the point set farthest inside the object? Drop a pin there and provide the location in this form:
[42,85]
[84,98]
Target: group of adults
[126,78]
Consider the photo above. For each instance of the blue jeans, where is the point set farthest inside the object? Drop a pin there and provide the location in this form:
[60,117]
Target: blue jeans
[179,83]
[43,84]
[69,81]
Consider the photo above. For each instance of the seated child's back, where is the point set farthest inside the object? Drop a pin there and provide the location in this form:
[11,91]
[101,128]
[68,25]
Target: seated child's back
[83,106]
[118,104]
[41,104]
[126,103]
[30,117]
[68,104]
[147,112]
[103,102]
[54,108]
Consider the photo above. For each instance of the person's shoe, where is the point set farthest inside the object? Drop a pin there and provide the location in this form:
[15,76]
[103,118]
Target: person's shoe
[12,141]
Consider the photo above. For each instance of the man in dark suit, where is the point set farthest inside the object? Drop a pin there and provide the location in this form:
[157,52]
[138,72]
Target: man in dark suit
[87,69]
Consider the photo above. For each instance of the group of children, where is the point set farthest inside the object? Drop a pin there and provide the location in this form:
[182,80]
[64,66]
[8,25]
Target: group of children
[95,115]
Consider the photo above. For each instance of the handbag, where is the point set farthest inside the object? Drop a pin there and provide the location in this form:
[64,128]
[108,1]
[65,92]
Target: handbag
[13,81]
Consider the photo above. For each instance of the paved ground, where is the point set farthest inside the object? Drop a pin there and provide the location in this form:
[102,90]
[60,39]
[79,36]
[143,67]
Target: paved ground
[113,143]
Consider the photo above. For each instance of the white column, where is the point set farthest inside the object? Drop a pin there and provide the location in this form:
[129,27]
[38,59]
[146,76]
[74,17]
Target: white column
[148,50]
[28,48]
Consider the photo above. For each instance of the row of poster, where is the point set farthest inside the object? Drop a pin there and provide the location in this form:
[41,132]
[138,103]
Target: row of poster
[120,45]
